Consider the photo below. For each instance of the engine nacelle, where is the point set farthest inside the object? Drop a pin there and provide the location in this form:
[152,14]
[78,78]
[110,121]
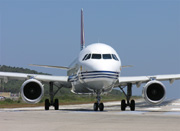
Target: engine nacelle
[154,92]
[32,91]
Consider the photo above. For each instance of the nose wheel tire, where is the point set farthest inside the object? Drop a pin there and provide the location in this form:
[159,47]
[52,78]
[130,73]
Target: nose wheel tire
[95,107]
[100,107]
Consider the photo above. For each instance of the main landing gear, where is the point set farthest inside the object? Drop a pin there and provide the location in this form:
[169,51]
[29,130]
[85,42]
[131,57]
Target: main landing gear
[129,103]
[52,94]
[98,105]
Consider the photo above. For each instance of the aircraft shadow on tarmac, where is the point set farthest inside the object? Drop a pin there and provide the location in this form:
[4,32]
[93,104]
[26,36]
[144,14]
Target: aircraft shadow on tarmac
[139,105]
[80,110]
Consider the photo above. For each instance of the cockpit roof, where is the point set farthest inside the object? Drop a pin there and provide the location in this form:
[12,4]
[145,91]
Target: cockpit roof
[99,48]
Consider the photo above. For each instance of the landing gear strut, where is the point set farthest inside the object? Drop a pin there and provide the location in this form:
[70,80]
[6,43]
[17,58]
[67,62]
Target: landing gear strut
[98,105]
[129,103]
[52,94]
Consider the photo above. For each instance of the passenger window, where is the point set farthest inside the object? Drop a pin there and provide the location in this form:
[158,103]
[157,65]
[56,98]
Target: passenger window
[107,56]
[96,56]
[85,57]
[115,57]
[88,57]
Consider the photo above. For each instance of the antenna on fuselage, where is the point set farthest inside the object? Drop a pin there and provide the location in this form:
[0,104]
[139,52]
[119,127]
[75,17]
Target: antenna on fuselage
[82,31]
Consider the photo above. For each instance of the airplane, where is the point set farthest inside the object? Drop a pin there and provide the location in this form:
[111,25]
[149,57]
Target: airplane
[96,71]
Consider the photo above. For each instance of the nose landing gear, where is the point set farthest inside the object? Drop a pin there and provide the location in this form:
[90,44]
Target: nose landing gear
[98,105]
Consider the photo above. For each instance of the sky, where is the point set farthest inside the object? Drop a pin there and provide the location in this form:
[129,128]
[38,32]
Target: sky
[145,34]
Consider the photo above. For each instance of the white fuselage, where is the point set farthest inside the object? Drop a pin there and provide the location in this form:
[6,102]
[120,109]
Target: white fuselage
[96,70]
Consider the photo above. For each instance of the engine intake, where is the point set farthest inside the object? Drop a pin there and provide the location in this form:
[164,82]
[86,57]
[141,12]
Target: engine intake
[32,91]
[154,92]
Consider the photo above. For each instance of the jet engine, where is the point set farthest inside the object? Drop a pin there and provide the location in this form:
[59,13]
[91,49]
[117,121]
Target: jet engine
[32,91]
[154,92]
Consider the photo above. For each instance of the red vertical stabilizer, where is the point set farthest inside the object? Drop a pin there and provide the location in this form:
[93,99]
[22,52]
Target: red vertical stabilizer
[82,31]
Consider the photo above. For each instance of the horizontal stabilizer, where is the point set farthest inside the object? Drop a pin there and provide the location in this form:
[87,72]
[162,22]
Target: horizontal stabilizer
[127,66]
[49,66]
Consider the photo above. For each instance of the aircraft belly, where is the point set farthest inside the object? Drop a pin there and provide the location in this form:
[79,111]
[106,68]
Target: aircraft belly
[100,84]
[89,86]
[81,88]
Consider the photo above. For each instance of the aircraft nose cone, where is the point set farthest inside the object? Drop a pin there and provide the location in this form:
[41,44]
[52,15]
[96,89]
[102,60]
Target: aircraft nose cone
[104,65]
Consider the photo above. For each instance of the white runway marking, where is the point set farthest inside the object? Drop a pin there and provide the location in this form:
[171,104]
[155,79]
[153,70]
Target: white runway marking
[133,112]
[22,109]
[175,109]
[153,109]
[176,104]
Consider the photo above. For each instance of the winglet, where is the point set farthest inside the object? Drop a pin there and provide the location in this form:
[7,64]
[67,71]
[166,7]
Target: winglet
[82,31]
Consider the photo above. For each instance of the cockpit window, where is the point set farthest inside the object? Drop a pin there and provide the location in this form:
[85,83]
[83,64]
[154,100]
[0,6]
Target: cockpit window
[88,57]
[99,56]
[115,57]
[85,57]
[107,56]
[96,56]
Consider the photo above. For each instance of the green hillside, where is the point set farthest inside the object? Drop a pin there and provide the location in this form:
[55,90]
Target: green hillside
[13,86]
[5,68]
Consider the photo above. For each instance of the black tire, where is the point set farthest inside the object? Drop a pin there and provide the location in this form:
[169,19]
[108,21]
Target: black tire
[95,106]
[101,106]
[132,105]
[56,104]
[47,104]
[123,105]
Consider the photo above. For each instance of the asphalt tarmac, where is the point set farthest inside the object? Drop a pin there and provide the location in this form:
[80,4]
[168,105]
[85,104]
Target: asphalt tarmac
[165,117]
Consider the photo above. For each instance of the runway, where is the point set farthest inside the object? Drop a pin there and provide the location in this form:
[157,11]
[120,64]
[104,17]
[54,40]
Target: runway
[165,117]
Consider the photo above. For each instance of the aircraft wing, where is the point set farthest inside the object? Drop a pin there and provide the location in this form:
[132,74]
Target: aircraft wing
[138,80]
[44,78]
